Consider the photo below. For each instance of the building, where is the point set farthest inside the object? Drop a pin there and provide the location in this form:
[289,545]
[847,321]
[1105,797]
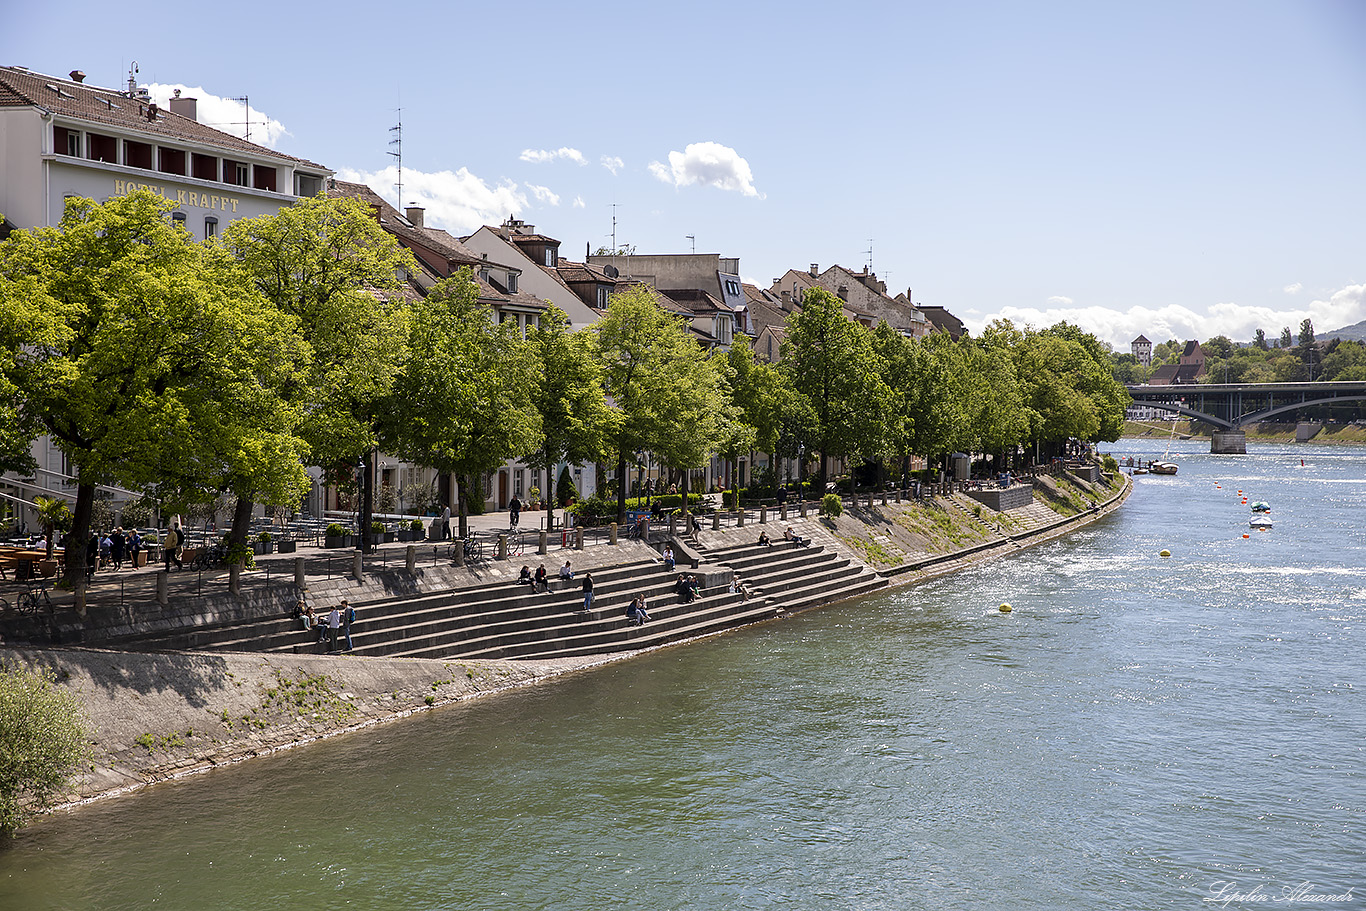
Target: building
[865,297]
[705,288]
[1142,350]
[1189,370]
[61,137]
[536,259]
[940,319]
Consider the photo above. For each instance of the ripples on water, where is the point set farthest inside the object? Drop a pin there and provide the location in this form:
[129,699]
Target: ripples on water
[1136,730]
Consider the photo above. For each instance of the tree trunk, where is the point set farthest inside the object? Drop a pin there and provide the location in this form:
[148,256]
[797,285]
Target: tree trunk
[79,536]
[462,520]
[549,500]
[241,521]
[367,501]
[621,488]
[684,488]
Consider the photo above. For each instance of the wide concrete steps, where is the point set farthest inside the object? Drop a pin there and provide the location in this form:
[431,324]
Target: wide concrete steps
[798,578]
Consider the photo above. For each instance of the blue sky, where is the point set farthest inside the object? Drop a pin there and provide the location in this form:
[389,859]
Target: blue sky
[1179,169]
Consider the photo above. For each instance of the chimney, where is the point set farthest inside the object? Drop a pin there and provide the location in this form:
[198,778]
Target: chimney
[185,107]
[152,111]
[77,76]
[815,269]
[865,270]
[787,299]
[414,214]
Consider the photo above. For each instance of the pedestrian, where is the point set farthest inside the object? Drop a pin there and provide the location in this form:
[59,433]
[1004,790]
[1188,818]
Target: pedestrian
[333,628]
[587,591]
[106,550]
[118,547]
[348,617]
[92,555]
[134,547]
[445,523]
[168,546]
[514,511]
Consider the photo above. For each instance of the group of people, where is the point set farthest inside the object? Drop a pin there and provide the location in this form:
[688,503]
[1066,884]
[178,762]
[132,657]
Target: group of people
[688,588]
[111,549]
[329,629]
[540,580]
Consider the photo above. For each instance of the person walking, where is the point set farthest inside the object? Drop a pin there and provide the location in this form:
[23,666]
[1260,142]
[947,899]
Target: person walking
[168,545]
[333,628]
[118,547]
[348,617]
[587,591]
[134,547]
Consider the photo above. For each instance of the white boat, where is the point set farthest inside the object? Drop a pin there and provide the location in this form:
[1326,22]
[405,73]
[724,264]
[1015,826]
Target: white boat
[1260,522]
[1162,468]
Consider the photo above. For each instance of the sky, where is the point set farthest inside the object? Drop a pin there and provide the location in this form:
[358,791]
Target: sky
[1175,169]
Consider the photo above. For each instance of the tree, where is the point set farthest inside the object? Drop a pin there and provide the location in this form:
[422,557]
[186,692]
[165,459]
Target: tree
[757,392]
[55,516]
[567,393]
[463,402]
[829,358]
[1259,340]
[43,742]
[1306,337]
[134,348]
[1285,340]
[925,406]
[330,265]
[670,398]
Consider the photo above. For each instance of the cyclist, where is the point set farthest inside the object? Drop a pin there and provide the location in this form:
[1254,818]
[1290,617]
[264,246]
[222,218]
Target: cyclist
[514,511]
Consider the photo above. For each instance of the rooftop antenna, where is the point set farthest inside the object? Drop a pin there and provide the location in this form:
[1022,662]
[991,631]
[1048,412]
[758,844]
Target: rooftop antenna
[869,251]
[693,238]
[133,80]
[397,143]
[246,121]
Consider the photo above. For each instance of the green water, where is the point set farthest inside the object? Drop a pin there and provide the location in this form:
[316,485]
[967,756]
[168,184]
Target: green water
[1137,733]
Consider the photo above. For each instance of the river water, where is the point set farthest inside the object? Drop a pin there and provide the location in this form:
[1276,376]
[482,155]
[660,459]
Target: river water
[1140,732]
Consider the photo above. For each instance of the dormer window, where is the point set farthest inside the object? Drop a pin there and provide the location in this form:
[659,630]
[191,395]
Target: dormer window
[512,283]
[550,257]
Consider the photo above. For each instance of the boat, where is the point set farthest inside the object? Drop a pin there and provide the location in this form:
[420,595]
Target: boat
[1261,506]
[1162,468]
[1260,522]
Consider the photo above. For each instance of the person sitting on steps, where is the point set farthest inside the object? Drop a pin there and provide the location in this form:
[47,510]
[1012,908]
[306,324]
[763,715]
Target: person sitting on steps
[763,539]
[795,538]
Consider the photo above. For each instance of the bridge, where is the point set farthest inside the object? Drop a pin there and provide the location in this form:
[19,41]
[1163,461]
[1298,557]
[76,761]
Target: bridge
[1229,406]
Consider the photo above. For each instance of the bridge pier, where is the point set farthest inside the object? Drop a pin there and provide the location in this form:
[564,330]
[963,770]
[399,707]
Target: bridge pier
[1228,441]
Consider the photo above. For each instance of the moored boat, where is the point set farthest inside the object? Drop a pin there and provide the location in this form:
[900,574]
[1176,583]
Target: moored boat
[1162,468]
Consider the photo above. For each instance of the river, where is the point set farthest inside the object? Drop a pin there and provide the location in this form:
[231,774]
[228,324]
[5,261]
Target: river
[1139,732]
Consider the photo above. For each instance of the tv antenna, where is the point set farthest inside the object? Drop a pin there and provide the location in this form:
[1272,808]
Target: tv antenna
[869,251]
[693,238]
[397,143]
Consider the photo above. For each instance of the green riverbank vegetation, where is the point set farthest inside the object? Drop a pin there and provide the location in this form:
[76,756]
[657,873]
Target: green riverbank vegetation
[44,742]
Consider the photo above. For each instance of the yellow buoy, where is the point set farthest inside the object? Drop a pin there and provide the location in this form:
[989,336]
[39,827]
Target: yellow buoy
[1165,553]
[1005,608]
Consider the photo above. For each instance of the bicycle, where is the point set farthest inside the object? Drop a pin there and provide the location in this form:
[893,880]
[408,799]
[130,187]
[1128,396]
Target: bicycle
[474,549]
[34,600]
[516,546]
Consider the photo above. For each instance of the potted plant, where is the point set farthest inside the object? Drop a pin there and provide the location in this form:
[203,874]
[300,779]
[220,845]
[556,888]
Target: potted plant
[378,533]
[336,535]
[265,544]
[286,545]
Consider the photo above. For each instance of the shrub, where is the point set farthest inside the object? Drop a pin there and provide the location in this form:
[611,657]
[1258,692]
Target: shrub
[376,527]
[240,555]
[264,537]
[44,738]
[336,530]
[831,505]
[417,525]
[1110,464]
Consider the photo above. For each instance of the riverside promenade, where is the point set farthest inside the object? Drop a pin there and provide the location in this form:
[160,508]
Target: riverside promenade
[164,714]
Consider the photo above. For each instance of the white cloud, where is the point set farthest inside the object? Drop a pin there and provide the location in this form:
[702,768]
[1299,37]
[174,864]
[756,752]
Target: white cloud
[579,203]
[1296,288]
[612,163]
[542,156]
[1237,321]
[544,194]
[708,164]
[1060,301]
[226,114]
[458,201]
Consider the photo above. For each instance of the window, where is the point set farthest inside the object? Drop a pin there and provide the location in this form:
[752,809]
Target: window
[602,298]
[66,142]
[102,148]
[518,478]
[203,167]
[137,154]
[263,178]
[512,283]
[172,160]
[178,219]
[210,226]
[550,256]
[235,173]
[307,185]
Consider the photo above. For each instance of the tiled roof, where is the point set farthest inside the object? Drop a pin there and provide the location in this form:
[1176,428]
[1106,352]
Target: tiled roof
[397,224]
[79,101]
[696,300]
[571,271]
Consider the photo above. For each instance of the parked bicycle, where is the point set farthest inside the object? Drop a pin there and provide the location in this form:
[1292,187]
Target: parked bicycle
[474,549]
[34,600]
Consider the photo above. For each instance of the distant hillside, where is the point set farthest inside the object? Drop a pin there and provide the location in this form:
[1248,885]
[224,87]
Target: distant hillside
[1355,332]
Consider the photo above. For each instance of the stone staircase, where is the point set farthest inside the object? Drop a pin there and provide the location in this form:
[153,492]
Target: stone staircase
[503,620]
[793,578]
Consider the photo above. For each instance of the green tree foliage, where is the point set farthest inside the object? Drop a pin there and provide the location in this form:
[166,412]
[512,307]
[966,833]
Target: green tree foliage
[136,349]
[1285,340]
[759,392]
[43,741]
[567,393]
[1306,336]
[671,399]
[464,400]
[1259,341]
[925,410]
[830,359]
[329,265]
[55,516]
